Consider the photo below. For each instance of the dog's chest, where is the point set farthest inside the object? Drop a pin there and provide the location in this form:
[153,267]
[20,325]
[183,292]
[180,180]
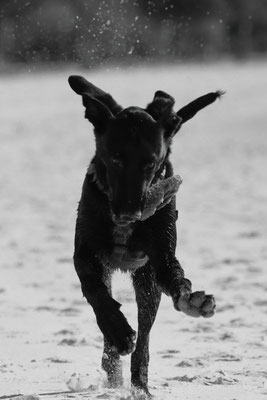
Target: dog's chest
[125,254]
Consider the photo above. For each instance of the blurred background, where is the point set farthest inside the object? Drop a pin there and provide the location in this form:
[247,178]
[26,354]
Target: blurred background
[92,32]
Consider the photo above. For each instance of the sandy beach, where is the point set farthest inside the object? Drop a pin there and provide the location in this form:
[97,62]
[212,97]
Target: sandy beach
[50,345]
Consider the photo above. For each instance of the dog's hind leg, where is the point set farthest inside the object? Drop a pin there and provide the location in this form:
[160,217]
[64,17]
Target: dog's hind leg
[148,296]
[111,362]
[112,365]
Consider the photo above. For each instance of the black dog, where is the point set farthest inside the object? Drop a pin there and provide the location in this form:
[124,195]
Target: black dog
[132,154]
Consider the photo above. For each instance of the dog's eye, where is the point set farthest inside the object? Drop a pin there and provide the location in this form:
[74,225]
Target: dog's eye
[116,162]
[148,167]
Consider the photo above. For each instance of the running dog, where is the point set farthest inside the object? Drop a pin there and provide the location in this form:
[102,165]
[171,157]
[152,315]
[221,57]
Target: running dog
[113,232]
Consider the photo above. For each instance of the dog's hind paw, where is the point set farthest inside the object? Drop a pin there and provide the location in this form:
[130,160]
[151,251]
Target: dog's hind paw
[140,391]
[197,304]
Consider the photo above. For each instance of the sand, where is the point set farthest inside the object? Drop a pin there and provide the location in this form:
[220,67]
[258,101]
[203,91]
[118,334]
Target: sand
[50,345]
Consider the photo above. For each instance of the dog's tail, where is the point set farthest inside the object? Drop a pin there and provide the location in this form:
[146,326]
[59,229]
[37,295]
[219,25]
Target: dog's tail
[187,112]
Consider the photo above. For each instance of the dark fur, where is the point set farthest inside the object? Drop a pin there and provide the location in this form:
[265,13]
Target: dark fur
[132,152]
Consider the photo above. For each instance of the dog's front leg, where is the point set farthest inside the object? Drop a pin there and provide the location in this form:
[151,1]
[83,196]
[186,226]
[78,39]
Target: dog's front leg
[110,319]
[169,273]
[170,277]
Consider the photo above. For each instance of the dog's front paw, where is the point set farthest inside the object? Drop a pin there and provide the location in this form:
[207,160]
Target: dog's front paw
[120,336]
[125,344]
[197,304]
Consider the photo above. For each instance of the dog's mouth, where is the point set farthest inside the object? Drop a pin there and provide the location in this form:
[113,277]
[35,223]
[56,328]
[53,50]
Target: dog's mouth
[121,222]
[126,219]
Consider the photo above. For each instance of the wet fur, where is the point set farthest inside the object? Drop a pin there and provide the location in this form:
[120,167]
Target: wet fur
[144,248]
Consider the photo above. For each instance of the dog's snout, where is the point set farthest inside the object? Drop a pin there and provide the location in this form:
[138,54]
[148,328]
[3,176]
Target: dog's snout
[127,218]
[135,216]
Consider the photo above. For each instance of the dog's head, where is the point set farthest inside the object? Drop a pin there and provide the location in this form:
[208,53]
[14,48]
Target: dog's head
[132,144]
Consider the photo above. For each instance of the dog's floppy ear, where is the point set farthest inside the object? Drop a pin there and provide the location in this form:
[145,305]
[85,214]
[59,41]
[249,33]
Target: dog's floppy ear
[161,110]
[188,111]
[161,105]
[96,112]
[81,86]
